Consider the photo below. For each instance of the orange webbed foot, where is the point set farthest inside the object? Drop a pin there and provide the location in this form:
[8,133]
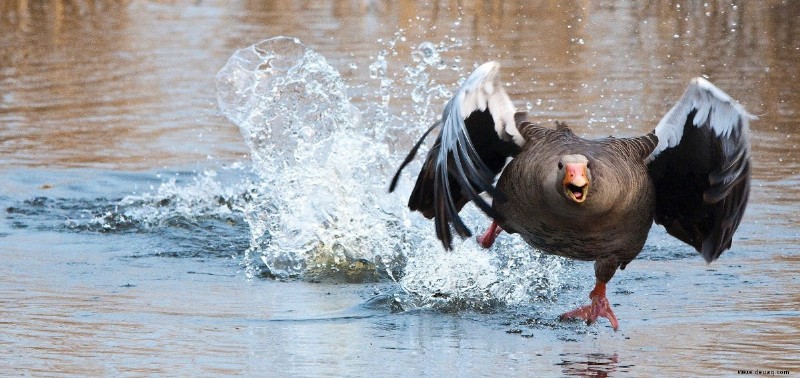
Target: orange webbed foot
[600,308]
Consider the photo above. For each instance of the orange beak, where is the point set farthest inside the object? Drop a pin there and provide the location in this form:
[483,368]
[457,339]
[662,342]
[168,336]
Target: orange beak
[576,182]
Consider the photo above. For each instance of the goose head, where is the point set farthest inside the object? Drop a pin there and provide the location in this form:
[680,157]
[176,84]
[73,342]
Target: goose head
[575,177]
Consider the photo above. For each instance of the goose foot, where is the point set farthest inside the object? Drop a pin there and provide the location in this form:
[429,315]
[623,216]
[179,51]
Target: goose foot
[600,308]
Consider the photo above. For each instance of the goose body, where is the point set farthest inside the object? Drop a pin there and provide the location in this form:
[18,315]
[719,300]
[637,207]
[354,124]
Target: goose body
[592,200]
[613,222]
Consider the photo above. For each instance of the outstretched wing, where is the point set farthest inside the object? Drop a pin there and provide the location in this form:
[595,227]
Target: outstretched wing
[478,133]
[701,168]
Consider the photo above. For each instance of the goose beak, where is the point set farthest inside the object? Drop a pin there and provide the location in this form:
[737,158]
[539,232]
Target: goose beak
[576,182]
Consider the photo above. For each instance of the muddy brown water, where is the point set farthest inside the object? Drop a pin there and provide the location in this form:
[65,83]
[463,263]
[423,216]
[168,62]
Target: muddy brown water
[100,99]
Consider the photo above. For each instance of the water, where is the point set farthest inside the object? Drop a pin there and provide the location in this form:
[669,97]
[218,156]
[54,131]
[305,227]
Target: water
[148,230]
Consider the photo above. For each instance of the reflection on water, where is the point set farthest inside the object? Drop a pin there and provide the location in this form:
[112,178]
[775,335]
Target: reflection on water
[129,85]
[591,365]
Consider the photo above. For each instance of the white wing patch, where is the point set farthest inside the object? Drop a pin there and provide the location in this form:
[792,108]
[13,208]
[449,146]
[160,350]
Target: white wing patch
[482,90]
[712,104]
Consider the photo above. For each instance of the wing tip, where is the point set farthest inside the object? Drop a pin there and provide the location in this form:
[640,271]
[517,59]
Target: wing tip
[490,65]
[485,71]
[709,253]
[704,84]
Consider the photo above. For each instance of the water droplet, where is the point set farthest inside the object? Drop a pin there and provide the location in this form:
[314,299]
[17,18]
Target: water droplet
[429,53]
[377,69]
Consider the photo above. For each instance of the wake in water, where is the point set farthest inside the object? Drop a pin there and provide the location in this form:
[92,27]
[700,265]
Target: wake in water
[320,206]
[314,201]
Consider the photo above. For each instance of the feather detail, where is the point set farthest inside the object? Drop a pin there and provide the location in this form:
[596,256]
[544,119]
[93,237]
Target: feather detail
[478,133]
[701,168]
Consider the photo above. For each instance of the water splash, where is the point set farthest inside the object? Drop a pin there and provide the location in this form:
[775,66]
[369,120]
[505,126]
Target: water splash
[408,95]
[283,96]
[202,197]
[320,208]
[473,278]
[315,207]
[193,215]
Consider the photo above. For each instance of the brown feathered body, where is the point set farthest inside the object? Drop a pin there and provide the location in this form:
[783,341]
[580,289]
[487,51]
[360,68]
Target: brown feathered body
[610,227]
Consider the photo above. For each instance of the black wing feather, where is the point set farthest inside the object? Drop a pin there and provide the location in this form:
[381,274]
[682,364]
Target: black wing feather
[468,169]
[702,177]
[469,153]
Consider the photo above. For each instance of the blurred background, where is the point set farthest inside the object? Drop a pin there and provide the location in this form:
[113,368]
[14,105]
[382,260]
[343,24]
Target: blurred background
[129,84]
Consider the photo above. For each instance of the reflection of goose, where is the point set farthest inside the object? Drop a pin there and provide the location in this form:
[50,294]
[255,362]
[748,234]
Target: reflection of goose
[591,200]
[588,365]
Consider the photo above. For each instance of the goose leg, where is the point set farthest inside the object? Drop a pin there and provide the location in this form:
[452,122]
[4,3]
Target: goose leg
[487,239]
[599,308]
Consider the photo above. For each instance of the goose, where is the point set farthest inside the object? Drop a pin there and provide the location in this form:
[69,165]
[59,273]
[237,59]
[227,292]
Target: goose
[590,200]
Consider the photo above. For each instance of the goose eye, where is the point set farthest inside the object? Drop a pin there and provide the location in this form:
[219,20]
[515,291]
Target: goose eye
[560,165]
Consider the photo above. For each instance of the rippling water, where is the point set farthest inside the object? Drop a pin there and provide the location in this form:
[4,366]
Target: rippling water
[145,233]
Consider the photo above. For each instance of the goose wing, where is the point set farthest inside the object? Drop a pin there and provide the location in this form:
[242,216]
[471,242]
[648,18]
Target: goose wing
[701,168]
[478,133]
